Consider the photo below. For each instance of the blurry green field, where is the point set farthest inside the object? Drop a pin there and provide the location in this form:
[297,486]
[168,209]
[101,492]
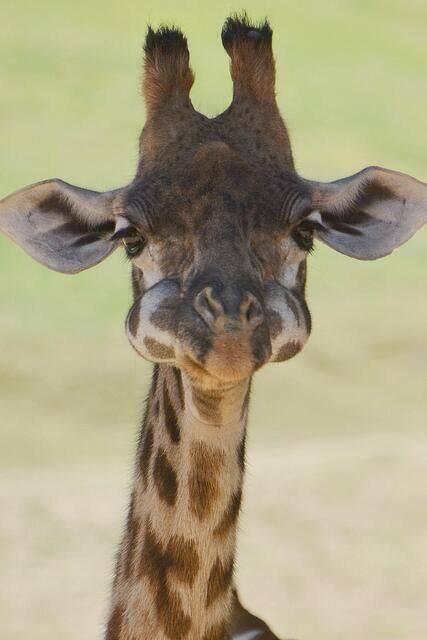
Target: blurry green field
[333,539]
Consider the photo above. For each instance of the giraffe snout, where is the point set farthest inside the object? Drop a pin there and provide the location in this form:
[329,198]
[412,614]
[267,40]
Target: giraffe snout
[232,309]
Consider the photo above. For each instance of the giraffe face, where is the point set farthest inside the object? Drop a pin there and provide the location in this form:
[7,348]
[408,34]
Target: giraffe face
[218,277]
[217,222]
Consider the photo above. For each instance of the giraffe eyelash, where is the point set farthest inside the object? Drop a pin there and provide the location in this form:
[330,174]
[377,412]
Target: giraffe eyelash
[132,241]
[133,247]
[305,239]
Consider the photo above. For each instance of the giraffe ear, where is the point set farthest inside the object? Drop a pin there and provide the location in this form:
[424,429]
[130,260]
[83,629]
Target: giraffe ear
[368,215]
[65,228]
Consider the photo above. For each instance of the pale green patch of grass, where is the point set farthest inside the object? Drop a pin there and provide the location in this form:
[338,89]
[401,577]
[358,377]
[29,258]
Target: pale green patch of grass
[332,539]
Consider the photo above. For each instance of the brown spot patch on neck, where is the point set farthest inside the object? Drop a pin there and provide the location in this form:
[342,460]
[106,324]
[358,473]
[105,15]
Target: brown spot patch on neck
[165,478]
[170,416]
[146,453]
[179,386]
[241,452]
[206,465]
[115,624]
[230,515]
[217,632]
[132,532]
[182,557]
[219,579]
[245,406]
[179,559]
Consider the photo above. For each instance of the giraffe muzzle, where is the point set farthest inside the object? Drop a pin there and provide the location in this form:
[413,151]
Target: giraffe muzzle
[231,310]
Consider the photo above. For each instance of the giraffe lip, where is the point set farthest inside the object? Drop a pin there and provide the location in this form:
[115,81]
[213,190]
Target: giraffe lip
[221,370]
[186,361]
[207,374]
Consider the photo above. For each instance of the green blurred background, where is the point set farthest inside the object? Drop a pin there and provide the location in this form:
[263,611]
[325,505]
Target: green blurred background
[334,533]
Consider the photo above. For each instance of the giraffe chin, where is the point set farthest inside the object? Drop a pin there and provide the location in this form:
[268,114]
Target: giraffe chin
[213,376]
[230,360]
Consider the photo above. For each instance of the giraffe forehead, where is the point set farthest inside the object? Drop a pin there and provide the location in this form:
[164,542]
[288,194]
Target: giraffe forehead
[222,210]
[213,186]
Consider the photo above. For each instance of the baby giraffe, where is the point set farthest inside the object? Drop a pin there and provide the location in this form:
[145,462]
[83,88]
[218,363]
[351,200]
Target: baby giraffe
[218,226]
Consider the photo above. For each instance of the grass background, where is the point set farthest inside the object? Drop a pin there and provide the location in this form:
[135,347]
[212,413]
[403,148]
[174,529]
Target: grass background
[333,537]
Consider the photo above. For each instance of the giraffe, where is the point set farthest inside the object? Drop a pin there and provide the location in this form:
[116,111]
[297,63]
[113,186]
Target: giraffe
[218,227]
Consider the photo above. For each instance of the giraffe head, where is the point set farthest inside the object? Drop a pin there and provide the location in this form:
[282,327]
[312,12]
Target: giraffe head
[217,223]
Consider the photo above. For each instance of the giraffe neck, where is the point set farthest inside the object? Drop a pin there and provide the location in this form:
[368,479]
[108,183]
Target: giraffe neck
[175,566]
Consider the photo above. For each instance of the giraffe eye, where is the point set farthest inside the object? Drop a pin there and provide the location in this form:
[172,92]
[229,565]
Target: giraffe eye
[133,245]
[130,237]
[303,236]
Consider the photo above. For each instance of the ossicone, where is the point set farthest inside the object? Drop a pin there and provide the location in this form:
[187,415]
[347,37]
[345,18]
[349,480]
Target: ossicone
[167,73]
[252,67]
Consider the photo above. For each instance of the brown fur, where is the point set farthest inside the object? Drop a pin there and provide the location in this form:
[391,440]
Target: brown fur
[170,417]
[115,623]
[241,451]
[288,350]
[132,530]
[158,350]
[230,515]
[165,478]
[179,387]
[203,483]
[146,453]
[219,580]
[155,565]
[217,632]
[167,76]
[252,63]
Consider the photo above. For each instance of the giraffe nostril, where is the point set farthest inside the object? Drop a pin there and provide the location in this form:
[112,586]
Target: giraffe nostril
[208,306]
[251,311]
[236,312]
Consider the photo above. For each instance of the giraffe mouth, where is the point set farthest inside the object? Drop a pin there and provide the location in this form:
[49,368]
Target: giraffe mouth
[233,357]
[163,326]
[212,376]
